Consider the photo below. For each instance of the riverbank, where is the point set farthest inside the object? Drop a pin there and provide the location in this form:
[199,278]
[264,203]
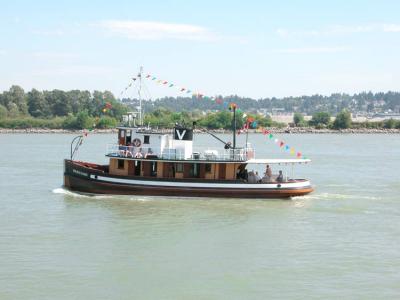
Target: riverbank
[296,130]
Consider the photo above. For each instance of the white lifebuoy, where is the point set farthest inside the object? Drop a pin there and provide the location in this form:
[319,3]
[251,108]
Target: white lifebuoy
[136,142]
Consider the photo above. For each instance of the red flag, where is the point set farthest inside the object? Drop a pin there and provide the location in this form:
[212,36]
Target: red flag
[250,119]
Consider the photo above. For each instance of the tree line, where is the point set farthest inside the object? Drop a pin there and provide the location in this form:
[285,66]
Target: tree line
[78,109]
[163,117]
[342,120]
[366,102]
[73,109]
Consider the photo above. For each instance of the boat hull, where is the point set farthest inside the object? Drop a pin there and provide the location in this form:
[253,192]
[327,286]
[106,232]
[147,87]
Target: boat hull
[88,180]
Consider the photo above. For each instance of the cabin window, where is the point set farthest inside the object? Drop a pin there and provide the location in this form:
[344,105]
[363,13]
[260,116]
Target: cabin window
[153,169]
[121,164]
[208,168]
[137,167]
[179,168]
[195,170]
[146,139]
[128,137]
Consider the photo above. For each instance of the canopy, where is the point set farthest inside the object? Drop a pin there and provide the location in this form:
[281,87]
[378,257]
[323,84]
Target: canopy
[278,161]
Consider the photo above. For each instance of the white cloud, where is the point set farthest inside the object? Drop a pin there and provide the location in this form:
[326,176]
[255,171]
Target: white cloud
[74,70]
[339,30]
[52,32]
[54,55]
[391,27]
[286,33]
[144,30]
[313,50]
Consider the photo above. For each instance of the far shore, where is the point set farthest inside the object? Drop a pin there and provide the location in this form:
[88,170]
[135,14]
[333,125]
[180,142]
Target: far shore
[295,130]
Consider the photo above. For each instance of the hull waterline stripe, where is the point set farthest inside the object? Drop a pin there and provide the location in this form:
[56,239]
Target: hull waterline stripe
[303,184]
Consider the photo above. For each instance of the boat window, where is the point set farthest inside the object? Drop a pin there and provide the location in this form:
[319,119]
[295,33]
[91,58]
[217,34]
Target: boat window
[128,137]
[208,168]
[146,139]
[153,170]
[121,164]
[179,168]
[195,170]
[137,168]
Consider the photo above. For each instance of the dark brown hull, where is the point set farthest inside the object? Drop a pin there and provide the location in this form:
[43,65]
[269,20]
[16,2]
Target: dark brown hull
[82,179]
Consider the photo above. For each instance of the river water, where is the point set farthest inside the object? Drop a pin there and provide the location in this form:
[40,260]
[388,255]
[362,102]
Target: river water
[342,241]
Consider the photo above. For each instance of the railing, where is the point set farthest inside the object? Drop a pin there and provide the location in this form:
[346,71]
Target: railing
[241,154]
[131,151]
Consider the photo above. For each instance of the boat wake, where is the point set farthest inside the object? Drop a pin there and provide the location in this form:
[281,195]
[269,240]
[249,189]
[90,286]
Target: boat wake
[334,196]
[66,192]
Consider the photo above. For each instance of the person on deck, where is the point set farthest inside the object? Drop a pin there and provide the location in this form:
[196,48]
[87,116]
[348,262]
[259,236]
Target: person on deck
[258,178]
[280,176]
[268,172]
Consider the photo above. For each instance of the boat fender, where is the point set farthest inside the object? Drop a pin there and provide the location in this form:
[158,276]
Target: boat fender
[136,142]
[278,185]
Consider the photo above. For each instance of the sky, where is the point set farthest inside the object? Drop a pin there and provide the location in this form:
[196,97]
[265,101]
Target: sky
[249,48]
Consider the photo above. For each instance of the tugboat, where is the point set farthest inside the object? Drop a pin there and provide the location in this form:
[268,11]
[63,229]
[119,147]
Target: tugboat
[150,162]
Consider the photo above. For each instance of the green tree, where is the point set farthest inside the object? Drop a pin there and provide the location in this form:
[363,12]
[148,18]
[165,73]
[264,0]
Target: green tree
[106,122]
[389,123]
[83,120]
[3,112]
[13,111]
[69,122]
[298,119]
[15,100]
[79,100]
[320,118]
[37,104]
[59,102]
[343,120]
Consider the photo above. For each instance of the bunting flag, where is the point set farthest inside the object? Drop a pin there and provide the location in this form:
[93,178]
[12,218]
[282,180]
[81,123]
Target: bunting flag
[250,122]
[128,86]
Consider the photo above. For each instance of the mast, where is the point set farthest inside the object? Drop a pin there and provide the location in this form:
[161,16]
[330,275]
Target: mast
[141,116]
[234,127]
[233,107]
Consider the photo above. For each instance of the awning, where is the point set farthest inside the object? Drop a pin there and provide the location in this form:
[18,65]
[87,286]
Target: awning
[278,161]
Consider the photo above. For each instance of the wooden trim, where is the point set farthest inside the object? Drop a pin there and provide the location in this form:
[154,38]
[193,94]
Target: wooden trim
[222,171]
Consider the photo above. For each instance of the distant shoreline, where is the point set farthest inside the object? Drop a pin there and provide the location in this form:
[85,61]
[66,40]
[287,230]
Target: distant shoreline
[296,130]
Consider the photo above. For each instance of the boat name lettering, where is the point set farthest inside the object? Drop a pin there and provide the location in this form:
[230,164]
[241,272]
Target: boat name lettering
[80,172]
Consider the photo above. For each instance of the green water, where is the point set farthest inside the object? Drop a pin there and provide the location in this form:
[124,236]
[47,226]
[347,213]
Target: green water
[342,241]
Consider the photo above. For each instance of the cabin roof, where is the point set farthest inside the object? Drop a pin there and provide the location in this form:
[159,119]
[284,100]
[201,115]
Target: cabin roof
[200,160]
[278,161]
[145,130]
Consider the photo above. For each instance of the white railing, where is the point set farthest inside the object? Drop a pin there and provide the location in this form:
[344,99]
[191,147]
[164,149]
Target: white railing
[242,154]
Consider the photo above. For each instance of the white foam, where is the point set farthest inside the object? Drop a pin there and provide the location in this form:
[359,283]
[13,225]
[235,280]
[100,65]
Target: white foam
[324,196]
[68,193]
